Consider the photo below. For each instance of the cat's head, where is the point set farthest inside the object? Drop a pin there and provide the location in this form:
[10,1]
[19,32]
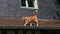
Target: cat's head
[23,17]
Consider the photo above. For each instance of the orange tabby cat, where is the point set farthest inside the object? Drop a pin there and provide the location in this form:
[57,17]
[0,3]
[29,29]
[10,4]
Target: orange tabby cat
[31,18]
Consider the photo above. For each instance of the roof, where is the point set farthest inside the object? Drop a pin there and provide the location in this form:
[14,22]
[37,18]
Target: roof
[8,22]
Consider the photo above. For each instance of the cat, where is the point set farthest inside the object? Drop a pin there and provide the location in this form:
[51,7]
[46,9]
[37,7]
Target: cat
[31,18]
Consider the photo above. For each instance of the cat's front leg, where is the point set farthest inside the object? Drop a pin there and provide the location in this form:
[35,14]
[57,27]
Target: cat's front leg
[25,23]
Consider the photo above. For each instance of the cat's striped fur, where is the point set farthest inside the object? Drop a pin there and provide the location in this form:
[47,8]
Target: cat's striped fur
[31,18]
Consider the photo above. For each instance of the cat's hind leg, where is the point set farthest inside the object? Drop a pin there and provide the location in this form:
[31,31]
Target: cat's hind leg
[30,24]
[36,21]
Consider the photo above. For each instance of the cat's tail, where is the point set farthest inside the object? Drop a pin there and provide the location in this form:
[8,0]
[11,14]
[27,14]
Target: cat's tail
[36,12]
